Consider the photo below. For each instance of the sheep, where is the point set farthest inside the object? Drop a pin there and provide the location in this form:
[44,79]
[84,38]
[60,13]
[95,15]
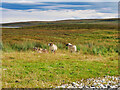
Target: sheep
[53,47]
[43,50]
[37,50]
[71,48]
[40,50]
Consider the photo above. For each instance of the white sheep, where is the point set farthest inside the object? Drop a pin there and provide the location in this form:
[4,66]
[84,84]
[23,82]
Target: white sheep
[71,48]
[53,47]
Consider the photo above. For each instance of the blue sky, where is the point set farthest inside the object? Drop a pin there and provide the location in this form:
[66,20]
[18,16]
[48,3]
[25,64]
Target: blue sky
[37,10]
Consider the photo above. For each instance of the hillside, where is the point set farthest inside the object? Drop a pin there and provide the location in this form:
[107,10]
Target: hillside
[113,21]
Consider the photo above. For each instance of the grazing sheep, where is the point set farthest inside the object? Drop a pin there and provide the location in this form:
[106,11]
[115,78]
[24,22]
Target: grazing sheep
[53,47]
[71,48]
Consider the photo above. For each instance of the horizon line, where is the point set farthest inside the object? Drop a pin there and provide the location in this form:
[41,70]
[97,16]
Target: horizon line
[59,20]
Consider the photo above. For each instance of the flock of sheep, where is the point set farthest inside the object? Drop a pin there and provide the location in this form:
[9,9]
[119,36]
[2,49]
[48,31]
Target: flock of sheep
[53,48]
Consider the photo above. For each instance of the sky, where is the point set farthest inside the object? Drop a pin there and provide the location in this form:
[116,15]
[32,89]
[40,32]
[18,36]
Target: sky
[52,10]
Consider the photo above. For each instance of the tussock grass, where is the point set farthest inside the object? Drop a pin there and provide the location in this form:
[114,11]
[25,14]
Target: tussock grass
[23,46]
[88,48]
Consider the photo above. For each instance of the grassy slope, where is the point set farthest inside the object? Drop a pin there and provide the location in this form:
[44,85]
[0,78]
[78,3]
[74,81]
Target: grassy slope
[30,69]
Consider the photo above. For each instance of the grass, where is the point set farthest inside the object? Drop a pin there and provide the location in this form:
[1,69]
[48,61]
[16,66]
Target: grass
[30,69]
[88,48]
[97,54]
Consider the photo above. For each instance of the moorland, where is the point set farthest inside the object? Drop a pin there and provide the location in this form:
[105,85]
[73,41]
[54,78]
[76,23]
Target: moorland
[97,52]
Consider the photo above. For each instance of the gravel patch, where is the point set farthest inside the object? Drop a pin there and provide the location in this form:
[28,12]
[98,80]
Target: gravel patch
[100,82]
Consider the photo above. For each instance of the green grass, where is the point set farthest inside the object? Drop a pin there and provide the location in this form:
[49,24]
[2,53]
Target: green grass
[88,48]
[28,69]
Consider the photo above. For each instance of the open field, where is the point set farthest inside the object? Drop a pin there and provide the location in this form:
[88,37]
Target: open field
[97,54]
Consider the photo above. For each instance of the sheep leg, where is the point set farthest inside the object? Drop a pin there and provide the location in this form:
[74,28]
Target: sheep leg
[54,52]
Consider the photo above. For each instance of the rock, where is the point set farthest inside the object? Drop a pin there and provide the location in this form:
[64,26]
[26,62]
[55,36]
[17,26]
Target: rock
[80,87]
[108,86]
[106,82]
[70,87]
[75,84]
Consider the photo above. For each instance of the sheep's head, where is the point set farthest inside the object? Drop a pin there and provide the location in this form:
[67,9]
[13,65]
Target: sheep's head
[68,44]
[50,44]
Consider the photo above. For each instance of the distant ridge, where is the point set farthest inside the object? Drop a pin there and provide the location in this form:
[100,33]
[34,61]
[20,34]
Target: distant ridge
[112,21]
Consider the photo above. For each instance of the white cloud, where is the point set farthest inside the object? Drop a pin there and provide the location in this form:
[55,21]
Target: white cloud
[50,15]
[24,1]
[19,1]
[64,6]
[31,1]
